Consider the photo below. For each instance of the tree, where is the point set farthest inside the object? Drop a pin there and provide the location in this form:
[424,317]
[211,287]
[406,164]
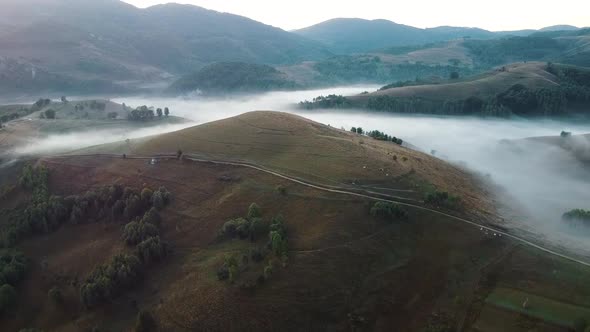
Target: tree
[254,211]
[353,129]
[49,114]
[166,111]
[64,99]
[146,196]
[360,131]
[159,112]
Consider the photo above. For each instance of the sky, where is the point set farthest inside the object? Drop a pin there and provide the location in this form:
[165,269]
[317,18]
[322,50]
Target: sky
[495,15]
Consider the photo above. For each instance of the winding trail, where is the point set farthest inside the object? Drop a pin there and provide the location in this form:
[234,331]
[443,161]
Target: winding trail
[343,191]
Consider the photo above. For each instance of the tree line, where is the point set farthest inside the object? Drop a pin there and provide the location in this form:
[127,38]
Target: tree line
[378,135]
[144,113]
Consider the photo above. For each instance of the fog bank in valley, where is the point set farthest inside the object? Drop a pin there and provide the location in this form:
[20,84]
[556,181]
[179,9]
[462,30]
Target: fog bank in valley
[541,178]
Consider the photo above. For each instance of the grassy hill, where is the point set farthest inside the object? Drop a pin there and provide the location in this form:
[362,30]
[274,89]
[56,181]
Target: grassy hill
[414,272]
[302,148]
[526,89]
[24,125]
[233,77]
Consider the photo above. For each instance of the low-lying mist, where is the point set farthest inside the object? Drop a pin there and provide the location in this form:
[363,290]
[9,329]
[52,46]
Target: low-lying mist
[542,179]
[71,141]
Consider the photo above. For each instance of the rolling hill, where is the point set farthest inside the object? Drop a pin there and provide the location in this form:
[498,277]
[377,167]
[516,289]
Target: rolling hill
[414,271]
[525,89]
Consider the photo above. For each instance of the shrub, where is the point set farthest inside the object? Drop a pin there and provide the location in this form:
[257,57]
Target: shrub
[254,211]
[388,210]
[268,270]
[282,190]
[236,227]
[442,199]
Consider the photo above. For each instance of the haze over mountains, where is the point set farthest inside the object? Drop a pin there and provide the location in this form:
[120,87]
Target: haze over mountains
[105,46]
[350,35]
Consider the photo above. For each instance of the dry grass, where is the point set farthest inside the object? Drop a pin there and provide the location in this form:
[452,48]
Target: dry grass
[299,147]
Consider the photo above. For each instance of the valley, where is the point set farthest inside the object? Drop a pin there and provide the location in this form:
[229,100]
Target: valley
[169,167]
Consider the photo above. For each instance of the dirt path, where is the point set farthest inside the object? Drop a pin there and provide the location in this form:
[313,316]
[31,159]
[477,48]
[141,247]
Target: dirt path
[335,190]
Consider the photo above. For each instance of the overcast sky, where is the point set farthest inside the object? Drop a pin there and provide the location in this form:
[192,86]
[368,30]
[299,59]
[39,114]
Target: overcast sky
[489,14]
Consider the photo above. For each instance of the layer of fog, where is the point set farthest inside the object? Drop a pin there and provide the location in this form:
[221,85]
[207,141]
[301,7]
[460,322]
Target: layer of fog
[543,180]
[71,141]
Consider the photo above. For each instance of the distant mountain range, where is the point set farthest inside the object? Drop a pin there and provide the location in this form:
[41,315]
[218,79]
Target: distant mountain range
[354,35]
[88,46]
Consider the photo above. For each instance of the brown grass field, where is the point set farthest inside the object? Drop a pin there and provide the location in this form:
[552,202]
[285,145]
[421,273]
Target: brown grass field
[346,271]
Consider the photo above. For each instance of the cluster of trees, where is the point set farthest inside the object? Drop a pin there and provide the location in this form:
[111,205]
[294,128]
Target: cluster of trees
[330,101]
[577,217]
[13,266]
[245,228]
[381,136]
[144,113]
[389,211]
[378,135]
[93,105]
[442,199]
[252,227]
[109,281]
[45,213]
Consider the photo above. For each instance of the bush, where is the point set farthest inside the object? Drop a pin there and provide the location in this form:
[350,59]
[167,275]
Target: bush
[282,190]
[388,210]
[254,211]
[442,199]
[237,227]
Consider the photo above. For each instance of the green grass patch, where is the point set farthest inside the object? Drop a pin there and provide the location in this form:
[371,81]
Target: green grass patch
[560,313]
